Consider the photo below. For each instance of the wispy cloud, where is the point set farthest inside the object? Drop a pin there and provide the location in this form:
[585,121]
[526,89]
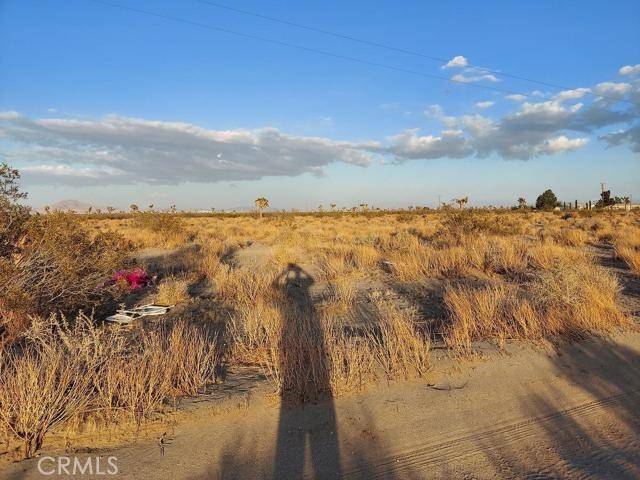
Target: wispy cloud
[125,150]
[485,104]
[131,150]
[462,78]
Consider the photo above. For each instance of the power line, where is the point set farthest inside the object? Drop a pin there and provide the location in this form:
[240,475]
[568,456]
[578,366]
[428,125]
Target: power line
[395,49]
[299,47]
[306,49]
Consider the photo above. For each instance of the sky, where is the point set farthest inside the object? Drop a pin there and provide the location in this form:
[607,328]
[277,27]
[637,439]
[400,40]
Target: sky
[185,102]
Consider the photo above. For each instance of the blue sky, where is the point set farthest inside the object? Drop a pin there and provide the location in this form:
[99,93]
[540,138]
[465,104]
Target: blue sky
[110,106]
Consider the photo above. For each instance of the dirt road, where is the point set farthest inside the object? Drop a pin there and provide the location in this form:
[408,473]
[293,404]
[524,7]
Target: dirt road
[569,413]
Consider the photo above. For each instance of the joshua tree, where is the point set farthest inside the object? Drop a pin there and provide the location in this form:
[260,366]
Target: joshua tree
[261,203]
[461,201]
[134,208]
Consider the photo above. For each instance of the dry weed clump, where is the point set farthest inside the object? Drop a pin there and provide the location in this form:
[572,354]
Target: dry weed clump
[398,346]
[627,247]
[40,390]
[631,257]
[563,301]
[167,229]
[172,291]
[63,370]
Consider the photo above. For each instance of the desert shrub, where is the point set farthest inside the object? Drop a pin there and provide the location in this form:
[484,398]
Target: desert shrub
[564,301]
[13,216]
[631,256]
[172,291]
[170,229]
[548,254]
[470,222]
[41,389]
[57,266]
[405,217]
[577,299]
[478,314]
[399,348]
[572,237]
[59,370]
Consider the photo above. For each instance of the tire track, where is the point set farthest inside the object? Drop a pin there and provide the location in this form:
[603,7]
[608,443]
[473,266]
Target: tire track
[420,457]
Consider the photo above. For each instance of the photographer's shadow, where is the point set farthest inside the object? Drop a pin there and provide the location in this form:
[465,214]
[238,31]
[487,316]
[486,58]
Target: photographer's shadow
[307,419]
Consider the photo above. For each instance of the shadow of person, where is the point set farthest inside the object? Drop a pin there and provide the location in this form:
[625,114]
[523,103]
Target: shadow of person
[307,421]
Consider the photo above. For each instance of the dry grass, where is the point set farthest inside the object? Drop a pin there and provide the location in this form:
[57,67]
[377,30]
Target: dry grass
[314,313]
[566,301]
[631,257]
[61,371]
[173,291]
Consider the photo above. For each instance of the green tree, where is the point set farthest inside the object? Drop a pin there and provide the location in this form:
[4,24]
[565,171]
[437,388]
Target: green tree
[547,201]
[13,215]
[605,199]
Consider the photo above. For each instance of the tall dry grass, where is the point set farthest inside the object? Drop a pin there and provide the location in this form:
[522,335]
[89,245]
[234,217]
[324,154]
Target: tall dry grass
[566,301]
[509,275]
[61,371]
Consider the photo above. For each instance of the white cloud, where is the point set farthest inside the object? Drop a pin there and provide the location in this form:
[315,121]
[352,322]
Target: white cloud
[612,89]
[462,78]
[124,150]
[516,97]
[410,145]
[630,70]
[485,104]
[456,62]
[132,150]
[574,94]
[564,144]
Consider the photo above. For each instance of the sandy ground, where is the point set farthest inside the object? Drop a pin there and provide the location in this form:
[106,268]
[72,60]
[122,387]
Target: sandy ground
[552,413]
